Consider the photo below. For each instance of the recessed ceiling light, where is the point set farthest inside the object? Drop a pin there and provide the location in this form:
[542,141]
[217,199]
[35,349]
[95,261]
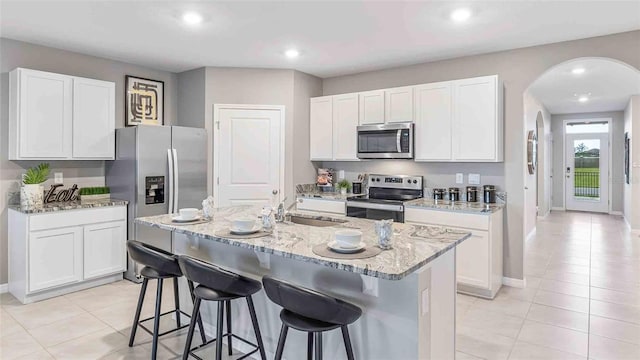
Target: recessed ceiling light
[578,71]
[292,53]
[583,98]
[461,15]
[192,18]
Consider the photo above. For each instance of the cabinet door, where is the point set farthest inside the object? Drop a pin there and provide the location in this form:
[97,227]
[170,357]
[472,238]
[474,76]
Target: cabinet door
[93,119]
[472,260]
[55,257]
[399,104]
[104,249]
[476,119]
[434,120]
[44,115]
[321,128]
[345,123]
[372,107]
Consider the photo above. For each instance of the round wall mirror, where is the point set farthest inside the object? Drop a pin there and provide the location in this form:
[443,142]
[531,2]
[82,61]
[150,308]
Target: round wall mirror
[532,151]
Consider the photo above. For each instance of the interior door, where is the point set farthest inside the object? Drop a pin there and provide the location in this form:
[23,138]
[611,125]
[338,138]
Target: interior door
[249,155]
[587,172]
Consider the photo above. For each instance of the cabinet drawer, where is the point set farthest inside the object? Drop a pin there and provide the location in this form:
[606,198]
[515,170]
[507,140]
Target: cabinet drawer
[330,206]
[444,218]
[76,217]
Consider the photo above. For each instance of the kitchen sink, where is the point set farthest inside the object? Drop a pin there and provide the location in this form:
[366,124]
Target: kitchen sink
[314,222]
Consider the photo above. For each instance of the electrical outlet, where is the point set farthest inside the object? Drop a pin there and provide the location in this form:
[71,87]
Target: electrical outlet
[474,179]
[459,178]
[340,174]
[425,302]
[58,178]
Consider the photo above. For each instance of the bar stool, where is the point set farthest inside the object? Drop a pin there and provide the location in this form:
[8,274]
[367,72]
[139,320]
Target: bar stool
[222,286]
[158,265]
[310,311]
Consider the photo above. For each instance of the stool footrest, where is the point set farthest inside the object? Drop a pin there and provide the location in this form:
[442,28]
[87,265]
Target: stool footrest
[223,336]
[161,315]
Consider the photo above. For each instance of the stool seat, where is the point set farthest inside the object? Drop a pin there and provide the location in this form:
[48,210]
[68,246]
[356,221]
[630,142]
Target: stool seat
[206,293]
[151,273]
[306,324]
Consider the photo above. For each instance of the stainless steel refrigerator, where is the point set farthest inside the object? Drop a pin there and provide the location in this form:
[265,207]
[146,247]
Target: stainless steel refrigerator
[158,169]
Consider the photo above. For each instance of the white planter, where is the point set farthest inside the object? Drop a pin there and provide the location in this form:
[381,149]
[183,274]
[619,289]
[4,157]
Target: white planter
[343,191]
[31,196]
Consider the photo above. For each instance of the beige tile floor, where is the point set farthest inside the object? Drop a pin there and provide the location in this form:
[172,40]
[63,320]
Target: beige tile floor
[582,298]
[582,301]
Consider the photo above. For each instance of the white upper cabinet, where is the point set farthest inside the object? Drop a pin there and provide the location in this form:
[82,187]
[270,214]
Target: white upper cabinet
[477,124]
[93,119]
[434,121]
[40,115]
[321,128]
[399,104]
[372,107]
[345,123]
[60,117]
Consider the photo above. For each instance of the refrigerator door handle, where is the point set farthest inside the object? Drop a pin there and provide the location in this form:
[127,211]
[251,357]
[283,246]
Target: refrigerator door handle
[170,190]
[176,180]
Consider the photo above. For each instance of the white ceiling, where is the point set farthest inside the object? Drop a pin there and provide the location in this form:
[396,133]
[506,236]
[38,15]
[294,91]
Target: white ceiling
[334,37]
[609,82]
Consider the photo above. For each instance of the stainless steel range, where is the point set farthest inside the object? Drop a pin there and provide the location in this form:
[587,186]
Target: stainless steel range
[385,198]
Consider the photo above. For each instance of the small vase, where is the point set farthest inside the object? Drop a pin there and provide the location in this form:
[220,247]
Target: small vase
[31,196]
[343,191]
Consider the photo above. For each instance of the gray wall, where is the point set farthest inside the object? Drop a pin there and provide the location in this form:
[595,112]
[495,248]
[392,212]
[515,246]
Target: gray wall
[85,173]
[305,86]
[631,191]
[191,98]
[517,69]
[617,155]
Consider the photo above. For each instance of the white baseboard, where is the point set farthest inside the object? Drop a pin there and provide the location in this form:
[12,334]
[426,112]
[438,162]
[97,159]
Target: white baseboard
[558,208]
[517,283]
[4,288]
[617,213]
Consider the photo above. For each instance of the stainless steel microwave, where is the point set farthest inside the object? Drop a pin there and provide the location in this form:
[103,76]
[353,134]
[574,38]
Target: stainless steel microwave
[386,141]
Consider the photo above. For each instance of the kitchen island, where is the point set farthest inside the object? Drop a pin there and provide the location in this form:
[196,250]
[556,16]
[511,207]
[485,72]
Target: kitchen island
[407,293]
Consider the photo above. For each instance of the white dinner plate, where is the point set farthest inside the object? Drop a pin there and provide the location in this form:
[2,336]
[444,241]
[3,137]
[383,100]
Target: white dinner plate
[333,245]
[245,232]
[179,219]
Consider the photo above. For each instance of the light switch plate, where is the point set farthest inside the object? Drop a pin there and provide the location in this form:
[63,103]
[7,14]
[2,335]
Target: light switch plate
[459,178]
[425,302]
[58,178]
[340,174]
[474,179]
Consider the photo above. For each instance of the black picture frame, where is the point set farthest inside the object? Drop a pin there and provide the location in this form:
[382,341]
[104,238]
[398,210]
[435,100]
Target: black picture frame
[154,93]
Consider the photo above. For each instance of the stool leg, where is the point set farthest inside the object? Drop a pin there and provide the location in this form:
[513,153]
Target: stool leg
[176,298]
[256,327]
[192,327]
[200,325]
[156,321]
[318,346]
[281,340]
[219,326]
[136,319]
[229,338]
[310,346]
[347,342]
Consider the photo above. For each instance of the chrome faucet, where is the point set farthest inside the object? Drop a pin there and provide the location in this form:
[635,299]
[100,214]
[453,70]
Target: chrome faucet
[281,212]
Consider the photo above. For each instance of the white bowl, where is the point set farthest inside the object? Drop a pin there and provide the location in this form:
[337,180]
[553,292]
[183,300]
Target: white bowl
[188,213]
[243,224]
[348,237]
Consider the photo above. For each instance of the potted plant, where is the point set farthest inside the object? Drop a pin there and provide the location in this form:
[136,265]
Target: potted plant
[96,193]
[344,185]
[32,191]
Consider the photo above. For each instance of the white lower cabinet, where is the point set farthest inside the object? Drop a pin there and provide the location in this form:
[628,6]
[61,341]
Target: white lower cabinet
[55,253]
[322,205]
[478,258]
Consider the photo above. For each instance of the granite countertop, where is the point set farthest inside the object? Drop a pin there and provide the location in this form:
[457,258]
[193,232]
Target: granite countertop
[413,245]
[458,206]
[70,205]
[326,195]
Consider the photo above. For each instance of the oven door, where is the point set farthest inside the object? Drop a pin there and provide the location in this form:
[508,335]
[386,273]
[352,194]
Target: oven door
[373,211]
[385,141]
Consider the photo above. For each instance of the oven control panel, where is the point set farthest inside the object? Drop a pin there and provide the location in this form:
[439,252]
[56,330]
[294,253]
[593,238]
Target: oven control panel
[395,181]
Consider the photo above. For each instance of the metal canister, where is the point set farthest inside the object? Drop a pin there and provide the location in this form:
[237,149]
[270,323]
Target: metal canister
[454,194]
[489,194]
[356,187]
[472,194]
[438,194]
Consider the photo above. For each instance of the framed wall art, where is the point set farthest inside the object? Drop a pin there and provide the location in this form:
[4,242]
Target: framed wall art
[144,101]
